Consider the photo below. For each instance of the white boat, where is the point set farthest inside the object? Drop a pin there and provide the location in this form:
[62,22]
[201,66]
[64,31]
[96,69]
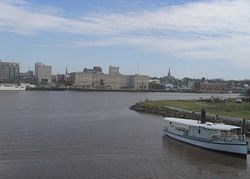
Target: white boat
[213,136]
[12,87]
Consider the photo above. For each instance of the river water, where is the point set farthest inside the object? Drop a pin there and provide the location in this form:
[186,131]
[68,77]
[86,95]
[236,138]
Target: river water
[94,135]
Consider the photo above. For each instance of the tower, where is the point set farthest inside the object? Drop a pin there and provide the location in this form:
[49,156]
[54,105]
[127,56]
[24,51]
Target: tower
[169,73]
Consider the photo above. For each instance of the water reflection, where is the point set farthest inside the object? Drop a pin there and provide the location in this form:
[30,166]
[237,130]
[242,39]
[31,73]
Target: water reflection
[202,158]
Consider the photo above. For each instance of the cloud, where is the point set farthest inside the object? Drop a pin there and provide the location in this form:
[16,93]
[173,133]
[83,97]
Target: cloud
[205,30]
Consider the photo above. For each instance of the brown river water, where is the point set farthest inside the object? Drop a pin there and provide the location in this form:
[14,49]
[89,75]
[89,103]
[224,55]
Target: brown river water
[94,135]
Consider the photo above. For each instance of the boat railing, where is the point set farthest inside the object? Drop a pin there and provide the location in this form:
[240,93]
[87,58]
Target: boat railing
[225,138]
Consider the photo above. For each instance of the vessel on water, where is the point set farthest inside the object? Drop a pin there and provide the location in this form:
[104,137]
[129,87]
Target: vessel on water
[214,136]
[12,87]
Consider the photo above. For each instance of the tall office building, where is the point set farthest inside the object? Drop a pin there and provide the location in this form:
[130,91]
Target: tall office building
[9,72]
[43,73]
[114,70]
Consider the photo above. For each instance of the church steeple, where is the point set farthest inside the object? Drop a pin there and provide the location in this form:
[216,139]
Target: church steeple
[169,73]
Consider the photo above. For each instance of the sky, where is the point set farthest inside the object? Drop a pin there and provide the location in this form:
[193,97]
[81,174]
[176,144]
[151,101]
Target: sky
[195,38]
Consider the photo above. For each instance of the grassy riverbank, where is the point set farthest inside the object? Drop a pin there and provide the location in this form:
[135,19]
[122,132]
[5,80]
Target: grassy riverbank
[229,108]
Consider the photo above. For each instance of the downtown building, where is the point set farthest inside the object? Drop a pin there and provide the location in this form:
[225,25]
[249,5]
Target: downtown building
[210,87]
[43,73]
[9,72]
[91,79]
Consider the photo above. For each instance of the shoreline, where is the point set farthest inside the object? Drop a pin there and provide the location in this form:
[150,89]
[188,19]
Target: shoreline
[101,90]
[170,111]
[114,90]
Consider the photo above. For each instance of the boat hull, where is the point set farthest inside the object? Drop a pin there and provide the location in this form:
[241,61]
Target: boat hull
[12,89]
[238,149]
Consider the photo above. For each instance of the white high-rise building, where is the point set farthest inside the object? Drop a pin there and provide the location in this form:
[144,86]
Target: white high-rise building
[43,73]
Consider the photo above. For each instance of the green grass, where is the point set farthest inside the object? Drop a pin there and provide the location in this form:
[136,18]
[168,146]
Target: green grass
[229,109]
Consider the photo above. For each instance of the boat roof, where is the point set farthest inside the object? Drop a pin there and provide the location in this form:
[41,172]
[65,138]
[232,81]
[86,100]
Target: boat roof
[207,125]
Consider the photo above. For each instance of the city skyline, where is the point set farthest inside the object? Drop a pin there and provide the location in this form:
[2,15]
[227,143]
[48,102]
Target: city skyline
[194,38]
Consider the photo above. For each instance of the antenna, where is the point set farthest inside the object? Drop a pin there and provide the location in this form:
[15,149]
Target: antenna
[138,68]
[136,76]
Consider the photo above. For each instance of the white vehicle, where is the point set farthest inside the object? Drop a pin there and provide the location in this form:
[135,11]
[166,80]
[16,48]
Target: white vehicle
[214,136]
[12,87]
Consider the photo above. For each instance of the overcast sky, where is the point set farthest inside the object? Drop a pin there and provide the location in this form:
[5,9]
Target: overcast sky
[194,38]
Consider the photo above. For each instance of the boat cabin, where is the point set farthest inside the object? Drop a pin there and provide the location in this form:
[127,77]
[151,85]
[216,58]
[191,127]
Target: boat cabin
[205,131]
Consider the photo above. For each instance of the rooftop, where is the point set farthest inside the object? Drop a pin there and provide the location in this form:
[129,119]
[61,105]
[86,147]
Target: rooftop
[207,125]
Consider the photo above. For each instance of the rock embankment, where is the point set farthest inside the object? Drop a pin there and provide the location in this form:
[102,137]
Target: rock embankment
[168,111]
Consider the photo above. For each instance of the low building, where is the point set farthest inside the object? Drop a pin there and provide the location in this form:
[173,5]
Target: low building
[62,78]
[210,87]
[114,80]
[139,82]
[170,87]
[27,77]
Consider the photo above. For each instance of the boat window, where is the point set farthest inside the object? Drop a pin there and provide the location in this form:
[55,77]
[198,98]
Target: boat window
[199,131]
